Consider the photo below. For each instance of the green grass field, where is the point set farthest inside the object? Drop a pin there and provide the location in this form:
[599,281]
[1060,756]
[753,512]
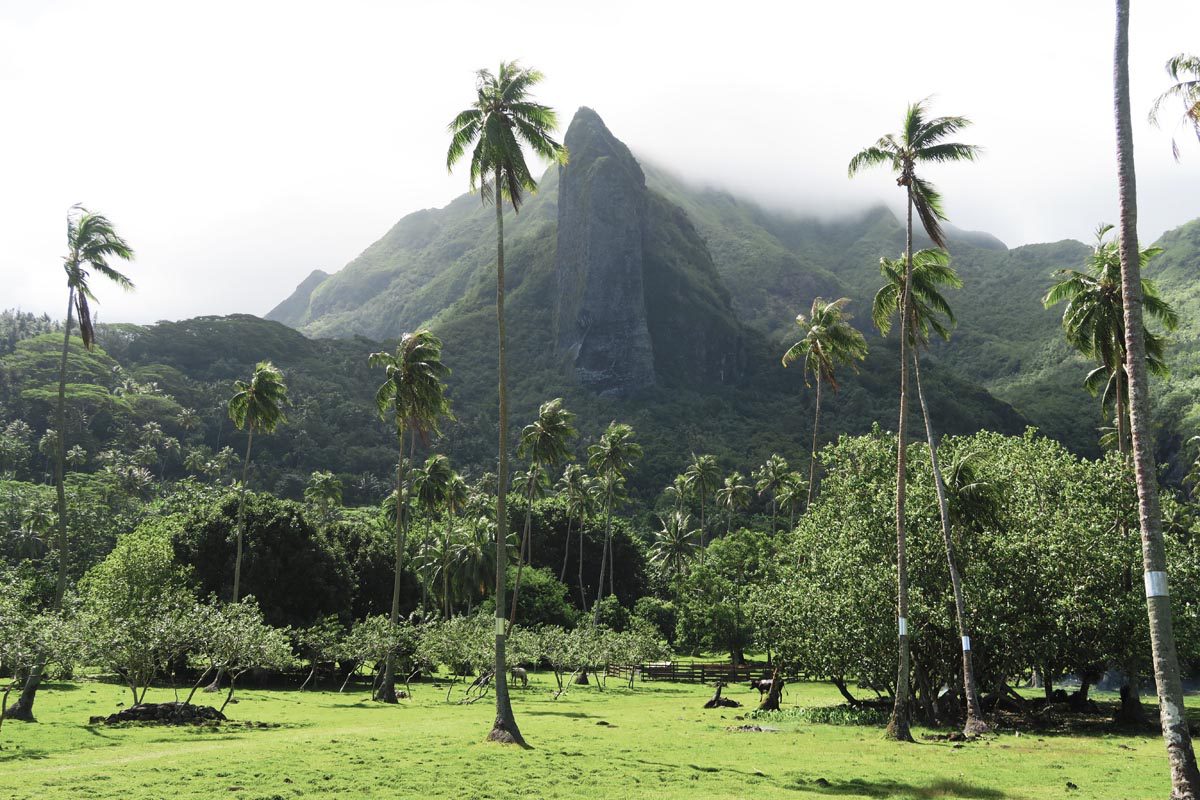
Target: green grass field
[653,741]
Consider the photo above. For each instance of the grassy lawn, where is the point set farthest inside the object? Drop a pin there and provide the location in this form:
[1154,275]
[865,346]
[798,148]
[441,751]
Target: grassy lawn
[653,741]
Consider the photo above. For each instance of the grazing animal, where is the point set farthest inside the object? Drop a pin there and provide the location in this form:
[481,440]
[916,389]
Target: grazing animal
[519,674]
[763,685]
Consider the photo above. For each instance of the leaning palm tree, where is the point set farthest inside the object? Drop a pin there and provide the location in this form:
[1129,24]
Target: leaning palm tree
[734,496]
[1094,324]
[929,312]
[1184,69]
[674,543]
[702,477]
[611,458]
[501,121]
[829,340]
[1185,777]
[545,442]
[413,399]
[769,479]
[256,406]
[920,142]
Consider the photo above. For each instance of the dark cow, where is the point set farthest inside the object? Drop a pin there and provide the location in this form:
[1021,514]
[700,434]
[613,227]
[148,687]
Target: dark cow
[763,685]
[519,674]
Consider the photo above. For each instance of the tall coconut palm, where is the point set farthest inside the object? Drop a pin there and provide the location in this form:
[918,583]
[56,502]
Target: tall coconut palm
[498,125]
[324,491]
[828,340]
[545,442]
[1185,777]
[929,312]
[674,543]
[573,487]
[1094,324]
[792,495]
[454,499]
[257,407]
[1184,69]
[702,477]
[430,482]
[413,399]
[733,496]
[920,141]
[611,459]
[769,480]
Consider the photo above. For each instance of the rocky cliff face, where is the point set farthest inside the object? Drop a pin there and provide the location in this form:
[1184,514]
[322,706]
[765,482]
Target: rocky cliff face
[599,261]
[639,300]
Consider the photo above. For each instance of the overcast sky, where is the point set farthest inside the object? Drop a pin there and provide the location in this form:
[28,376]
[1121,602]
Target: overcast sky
[240,145]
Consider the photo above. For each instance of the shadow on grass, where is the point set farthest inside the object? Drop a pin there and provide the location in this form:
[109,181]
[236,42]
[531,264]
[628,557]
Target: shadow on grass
[886,788]
[573,714]
[11,753]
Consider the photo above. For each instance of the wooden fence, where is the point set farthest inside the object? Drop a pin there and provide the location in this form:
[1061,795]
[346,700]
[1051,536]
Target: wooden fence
[692,672]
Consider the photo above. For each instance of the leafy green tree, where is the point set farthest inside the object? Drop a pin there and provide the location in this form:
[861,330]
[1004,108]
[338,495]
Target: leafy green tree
[929,312]
[734,496]
[502,119]
[769,480]
[1094,324]
[319,644]
[702,477]
[92,242]
[413,396]
[545,443]
[828,340]
[611,459]
[920,142]
[256,406]
[1184,69]
[1185,776]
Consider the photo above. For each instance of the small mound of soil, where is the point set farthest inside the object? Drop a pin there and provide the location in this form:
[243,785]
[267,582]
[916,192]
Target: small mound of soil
[163,714]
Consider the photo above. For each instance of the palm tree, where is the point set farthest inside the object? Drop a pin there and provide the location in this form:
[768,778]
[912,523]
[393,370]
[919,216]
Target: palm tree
[496,126]
[430,483]
[611,458]
[324,491]
[792,496]
[920,141]
[256,406]
[1185,777]
[828,340]
[930,312]
[414,397]
[1184,69]
[545,443]
[733,496]
[674,543]
[1094,324]
[702,477]
[677,493]
[769,479]
[572,486]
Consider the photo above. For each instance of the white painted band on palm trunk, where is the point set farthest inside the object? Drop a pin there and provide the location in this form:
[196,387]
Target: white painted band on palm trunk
[966,644]
[903,626]
[1156,584]
[499,626]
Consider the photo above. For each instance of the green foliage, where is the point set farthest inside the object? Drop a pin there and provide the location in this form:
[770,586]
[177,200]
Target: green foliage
[543,599]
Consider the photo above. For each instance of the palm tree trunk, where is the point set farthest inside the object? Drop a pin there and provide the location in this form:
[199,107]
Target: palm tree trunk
[1185,777]
[1122,415]
[898,724]
[812,461]
[582,589]
[386,693]
[702,529]
[603,558]
[512,616]
[562,575]
[446,560]
[504,728]
[974,724]
[241,520]
[23,708]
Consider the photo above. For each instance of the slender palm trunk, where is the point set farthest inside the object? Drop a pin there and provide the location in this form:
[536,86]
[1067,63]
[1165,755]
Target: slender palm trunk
[386,693]
[582,589]
[898,724]
[512,616]
[504,729]
[603,557]
[1122,417]
[703,541]
[562,575]
[446,560]
[241,520]
[974,724]
[812,460]
[1185,778]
